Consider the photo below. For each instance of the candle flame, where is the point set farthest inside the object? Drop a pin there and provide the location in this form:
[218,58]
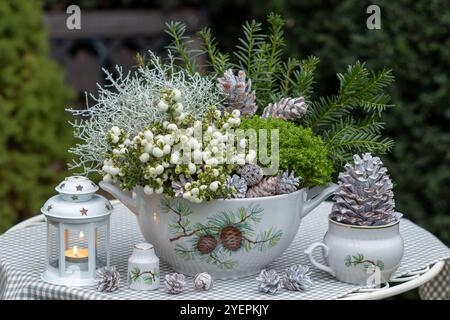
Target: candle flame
[75,251]
[81,235]
[155,218]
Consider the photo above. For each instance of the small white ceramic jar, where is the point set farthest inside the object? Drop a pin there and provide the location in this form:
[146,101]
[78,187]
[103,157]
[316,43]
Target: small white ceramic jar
[364,255]
[143,268]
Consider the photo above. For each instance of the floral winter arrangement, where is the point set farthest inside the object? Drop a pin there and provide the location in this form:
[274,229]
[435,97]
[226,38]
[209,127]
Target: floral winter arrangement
[134,133]
[245,126]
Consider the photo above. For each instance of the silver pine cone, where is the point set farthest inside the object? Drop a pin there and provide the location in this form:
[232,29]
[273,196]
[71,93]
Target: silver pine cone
[108,279]
[174,283]
[251,173]
[290,109]
[269,281]
[238,91]
[364,196]
[239,184]
[297,278]
[287,183]
[266,188]
[178,186]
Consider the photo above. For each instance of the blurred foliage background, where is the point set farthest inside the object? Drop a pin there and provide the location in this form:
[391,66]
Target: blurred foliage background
[414,41]
[34,135]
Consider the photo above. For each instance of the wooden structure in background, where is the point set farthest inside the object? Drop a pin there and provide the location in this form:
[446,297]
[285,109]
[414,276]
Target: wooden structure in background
[108,38]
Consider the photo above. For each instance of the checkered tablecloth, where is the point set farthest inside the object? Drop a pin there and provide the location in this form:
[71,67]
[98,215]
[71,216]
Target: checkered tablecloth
[22,260]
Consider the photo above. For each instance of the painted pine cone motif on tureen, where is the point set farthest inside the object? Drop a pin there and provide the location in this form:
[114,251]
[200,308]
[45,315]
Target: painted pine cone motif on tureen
[222,235]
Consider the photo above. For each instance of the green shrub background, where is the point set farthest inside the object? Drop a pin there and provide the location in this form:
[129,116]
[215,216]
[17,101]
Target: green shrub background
[34,134]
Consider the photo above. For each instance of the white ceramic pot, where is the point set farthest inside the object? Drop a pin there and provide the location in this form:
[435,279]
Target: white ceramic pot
[229,238]
[358,254]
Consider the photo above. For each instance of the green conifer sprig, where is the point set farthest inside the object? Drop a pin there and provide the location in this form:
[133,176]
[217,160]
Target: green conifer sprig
[218,61]
[348,121]
[181,46]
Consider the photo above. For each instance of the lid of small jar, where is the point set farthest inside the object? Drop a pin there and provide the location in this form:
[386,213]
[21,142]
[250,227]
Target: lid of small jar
[143,246]
[76,200]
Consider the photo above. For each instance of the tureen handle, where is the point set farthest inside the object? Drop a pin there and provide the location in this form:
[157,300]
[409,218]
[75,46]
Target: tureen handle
[318,265]
[312,203]
[124,196]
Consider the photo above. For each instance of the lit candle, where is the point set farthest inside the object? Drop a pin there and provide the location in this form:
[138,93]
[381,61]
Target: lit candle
[77,257]
[155,218]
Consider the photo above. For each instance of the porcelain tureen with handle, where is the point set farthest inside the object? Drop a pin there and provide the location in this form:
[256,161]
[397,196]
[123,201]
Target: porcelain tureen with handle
[229,238]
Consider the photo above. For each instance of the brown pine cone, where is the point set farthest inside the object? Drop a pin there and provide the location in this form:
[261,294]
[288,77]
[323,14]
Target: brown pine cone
[267,187]
[231,238]
[206,244]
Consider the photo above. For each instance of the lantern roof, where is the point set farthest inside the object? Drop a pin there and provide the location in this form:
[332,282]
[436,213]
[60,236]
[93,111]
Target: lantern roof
[76,201]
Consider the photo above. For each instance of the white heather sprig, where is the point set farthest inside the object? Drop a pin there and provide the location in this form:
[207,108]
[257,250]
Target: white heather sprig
[131,101]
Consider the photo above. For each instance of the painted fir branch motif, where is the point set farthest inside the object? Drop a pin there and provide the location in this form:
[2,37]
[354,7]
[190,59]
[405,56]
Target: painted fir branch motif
[149,277]
[358,260]
[222,234]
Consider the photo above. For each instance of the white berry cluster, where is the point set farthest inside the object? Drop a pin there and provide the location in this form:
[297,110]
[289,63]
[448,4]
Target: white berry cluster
[200,149]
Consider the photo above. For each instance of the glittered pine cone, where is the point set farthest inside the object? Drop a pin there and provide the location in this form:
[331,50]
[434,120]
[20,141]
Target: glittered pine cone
[231,238]
[266,188]
[269,281]
[239,184]
[287,183]
[238,92]
[174,283]
[289,109]
[206,244]
[297,278]
[203,281]
[364,196]
[108,279]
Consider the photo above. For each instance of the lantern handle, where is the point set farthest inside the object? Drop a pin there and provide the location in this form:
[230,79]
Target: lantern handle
[126,197]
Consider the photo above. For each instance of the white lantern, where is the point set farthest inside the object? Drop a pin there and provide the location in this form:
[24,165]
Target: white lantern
[78,233]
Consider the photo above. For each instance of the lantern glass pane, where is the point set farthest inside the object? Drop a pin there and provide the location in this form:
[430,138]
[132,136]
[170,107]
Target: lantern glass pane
[76,248]
[100,244]
[53,245]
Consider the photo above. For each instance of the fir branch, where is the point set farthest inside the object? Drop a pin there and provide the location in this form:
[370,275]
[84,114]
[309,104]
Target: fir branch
[217,60]
[249,44]
[358,88]
[180,44]
[346,138]
[287,76]
[304,78]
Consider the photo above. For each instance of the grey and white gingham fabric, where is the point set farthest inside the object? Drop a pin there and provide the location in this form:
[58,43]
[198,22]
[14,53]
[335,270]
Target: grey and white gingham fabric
[22,260]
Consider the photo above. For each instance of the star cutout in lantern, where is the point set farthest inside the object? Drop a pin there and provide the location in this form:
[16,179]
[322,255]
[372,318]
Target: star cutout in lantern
[50,207]
[84,212]
[79,187]
[74,197]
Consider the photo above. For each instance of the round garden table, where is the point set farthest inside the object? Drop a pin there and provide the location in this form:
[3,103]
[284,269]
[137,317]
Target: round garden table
[424,259]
